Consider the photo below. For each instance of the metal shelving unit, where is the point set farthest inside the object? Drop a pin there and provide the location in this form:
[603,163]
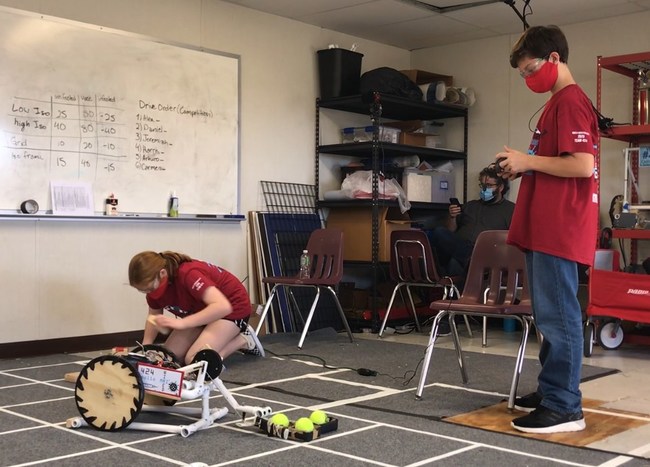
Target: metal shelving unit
[637,68]
[380,106]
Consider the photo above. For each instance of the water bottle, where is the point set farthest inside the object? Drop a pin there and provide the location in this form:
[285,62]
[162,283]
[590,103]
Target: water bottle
[173,205]
[304,265]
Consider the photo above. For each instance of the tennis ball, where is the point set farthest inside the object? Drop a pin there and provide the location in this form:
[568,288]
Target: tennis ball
[304,425]
[318,417]
[280,419]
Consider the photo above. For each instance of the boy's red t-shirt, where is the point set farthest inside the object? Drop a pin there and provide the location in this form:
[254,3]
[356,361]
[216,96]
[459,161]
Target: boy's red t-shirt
[184,295]
[558,215]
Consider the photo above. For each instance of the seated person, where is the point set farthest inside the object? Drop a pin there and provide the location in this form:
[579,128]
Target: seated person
[453,243]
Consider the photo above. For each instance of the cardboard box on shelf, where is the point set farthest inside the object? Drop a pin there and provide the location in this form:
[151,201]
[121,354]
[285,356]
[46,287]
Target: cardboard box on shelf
[424,77]
[424,140]
[416,133]
[356,224]
[429,186]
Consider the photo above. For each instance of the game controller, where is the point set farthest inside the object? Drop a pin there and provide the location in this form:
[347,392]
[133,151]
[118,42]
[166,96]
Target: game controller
[497,164]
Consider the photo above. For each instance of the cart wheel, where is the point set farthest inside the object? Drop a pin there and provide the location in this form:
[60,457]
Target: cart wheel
[109,393]
[588,346]
[610,335]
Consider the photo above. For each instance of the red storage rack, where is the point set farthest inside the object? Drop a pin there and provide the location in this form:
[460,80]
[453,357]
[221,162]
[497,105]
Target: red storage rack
[614,295]
[636,67]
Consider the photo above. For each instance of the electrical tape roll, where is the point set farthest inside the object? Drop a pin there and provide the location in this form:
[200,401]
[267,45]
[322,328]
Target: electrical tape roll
[29,207]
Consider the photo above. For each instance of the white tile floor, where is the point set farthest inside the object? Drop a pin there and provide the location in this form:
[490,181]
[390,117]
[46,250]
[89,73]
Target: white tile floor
[628,390]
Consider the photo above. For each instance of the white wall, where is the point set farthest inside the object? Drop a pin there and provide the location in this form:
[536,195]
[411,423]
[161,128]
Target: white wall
[504,105]
[64,279]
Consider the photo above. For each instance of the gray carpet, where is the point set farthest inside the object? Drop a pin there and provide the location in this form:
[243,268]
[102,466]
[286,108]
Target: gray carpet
[398,366]
[380,423]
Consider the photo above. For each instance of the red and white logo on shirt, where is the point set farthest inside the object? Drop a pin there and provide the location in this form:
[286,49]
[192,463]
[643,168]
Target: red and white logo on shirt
[198,284]
[580,136]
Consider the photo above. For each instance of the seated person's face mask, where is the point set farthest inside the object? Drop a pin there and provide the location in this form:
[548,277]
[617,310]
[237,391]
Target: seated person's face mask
[487,194]
[489,187]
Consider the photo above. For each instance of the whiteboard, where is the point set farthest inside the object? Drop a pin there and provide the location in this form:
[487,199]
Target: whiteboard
[132,116]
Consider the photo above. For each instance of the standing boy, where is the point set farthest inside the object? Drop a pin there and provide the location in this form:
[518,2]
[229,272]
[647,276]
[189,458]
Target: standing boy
[555,222]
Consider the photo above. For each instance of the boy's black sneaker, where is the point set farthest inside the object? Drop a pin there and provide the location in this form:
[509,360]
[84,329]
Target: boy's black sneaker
[528,403]
[544,421]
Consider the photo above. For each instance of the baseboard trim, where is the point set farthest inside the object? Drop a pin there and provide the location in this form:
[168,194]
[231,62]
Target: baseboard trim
[70,344]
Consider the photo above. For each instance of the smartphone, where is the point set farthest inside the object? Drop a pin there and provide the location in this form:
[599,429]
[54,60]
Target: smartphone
[455,201]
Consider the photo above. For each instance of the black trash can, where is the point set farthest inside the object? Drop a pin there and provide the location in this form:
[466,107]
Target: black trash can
[339,71]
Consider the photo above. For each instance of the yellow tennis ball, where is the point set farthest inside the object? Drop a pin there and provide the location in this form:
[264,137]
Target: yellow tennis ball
[318,417]
[304,425]
[280,419]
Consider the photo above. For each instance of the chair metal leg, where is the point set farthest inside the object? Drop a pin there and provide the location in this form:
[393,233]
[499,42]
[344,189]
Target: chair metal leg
[309,317]
[484,337]
[429,352]
[459,351]
[413,310]
[295,304]
[343,318]
[469,328]
[525,325]
[451,291]
[267,305]
[390,305]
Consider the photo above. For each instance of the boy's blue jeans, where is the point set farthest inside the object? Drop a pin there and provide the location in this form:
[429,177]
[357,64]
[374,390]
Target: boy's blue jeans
[553,285]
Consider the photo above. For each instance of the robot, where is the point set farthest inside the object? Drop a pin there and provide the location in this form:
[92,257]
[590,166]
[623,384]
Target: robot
[112,390]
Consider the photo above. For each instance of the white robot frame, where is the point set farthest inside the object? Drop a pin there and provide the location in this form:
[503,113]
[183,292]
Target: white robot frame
[110,392]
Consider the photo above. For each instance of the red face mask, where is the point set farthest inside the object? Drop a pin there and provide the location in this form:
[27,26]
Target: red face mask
[160,290]
[543,79]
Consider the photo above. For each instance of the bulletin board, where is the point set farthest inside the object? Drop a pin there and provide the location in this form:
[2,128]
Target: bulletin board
[127,114]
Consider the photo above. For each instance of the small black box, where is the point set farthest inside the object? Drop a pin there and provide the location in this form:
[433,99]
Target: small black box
[290,432]
[339,72]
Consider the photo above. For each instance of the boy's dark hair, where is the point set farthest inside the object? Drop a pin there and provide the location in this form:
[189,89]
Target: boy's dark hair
[539,42]
[491,172]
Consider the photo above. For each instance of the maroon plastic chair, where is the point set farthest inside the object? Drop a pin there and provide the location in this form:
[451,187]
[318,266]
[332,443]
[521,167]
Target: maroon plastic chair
[496,286]
[325,247]
[412,264]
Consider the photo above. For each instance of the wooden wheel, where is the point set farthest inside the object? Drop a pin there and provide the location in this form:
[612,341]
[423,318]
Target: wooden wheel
[109,393]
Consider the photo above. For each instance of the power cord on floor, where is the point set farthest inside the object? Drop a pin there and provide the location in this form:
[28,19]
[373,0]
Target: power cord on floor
[407,377]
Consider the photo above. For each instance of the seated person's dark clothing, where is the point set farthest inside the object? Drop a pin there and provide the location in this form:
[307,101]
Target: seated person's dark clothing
[453,244]
[454,249]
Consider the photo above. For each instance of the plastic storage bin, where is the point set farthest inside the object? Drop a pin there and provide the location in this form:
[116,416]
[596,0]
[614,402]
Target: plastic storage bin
[364,133]
[339,72]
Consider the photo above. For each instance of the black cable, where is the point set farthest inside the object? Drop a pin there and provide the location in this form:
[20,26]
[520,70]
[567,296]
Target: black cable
[359,371]
[526,10]
[530,120]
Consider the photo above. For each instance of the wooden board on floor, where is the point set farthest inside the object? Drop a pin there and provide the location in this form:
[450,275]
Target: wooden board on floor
[601,423]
